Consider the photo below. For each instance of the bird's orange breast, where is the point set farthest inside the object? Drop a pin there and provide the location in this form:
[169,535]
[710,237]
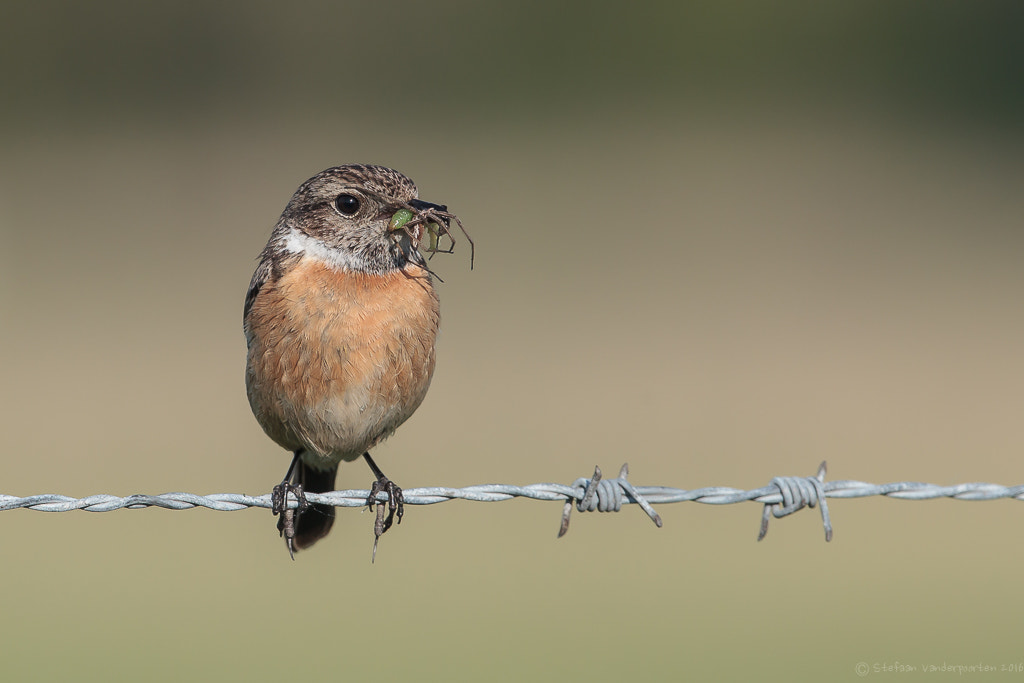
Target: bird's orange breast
[338,360]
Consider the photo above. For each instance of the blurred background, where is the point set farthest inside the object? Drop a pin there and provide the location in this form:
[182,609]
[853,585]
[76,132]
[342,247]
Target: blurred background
[720,241]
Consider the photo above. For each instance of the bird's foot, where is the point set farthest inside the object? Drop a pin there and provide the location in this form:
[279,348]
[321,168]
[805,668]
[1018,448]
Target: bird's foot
[286,515]
[395,504]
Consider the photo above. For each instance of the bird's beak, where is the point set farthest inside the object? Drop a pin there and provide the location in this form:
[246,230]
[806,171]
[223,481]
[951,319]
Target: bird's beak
[421,205]
[403,216]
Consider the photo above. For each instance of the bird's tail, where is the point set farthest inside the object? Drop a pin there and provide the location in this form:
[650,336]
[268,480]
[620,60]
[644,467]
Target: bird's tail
[314,522]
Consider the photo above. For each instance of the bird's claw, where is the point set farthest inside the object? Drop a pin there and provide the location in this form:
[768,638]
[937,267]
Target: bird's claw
[286,515]
[395,504]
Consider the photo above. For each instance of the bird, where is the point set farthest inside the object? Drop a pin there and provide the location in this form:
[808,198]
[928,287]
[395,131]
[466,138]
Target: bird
[341,319]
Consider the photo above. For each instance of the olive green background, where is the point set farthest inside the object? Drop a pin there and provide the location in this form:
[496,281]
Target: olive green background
[721,242]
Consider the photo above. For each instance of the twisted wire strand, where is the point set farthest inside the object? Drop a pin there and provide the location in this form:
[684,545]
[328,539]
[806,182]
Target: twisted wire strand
[492,493]
[782,497]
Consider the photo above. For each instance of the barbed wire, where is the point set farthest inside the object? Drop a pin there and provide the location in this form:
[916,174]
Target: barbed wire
[782,497]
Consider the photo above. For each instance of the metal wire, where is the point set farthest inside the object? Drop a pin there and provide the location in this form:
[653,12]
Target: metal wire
[782,497]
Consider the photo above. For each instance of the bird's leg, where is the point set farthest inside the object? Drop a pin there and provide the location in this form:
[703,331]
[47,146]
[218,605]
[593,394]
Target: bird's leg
[279,503]
[396,502]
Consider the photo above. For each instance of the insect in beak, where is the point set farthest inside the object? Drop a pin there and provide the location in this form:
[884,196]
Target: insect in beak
[432,219]
[398,221]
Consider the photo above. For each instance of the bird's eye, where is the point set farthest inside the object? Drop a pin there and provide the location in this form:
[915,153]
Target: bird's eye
[347,205]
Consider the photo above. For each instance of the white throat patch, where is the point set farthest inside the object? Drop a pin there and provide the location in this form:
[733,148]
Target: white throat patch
[298,242]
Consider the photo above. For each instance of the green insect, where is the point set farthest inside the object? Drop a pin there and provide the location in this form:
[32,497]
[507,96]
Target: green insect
[398,221]
[433,230]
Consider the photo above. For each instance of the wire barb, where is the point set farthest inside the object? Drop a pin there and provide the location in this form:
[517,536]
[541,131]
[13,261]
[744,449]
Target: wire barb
[604,495]
[798,493]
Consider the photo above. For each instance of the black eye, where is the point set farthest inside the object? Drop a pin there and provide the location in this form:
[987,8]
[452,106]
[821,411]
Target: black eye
[347,205]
